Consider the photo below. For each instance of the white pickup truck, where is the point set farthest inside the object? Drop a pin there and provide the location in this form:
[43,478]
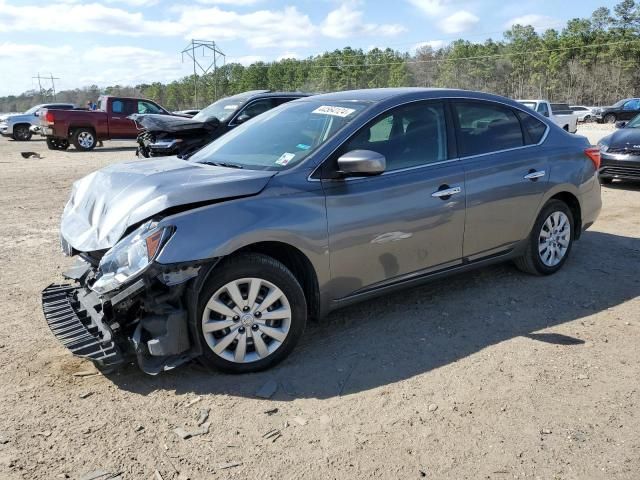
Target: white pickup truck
[560,113]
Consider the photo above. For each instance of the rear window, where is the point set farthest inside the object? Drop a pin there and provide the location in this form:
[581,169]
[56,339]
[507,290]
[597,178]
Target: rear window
[486,127]
[533,128]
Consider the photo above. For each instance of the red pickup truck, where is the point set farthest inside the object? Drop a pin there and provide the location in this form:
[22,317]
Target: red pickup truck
[85,128]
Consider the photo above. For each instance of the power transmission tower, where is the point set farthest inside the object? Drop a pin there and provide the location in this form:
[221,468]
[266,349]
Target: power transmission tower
[53,85]
[207,46]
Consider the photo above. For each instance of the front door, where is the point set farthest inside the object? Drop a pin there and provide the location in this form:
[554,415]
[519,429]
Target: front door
[506,174]
[119,125]
[399,223]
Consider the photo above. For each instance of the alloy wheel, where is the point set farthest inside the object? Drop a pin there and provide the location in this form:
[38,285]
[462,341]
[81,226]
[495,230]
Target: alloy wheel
[246,320]
[554,239]
[86,140]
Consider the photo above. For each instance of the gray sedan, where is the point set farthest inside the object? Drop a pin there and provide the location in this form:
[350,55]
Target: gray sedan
[317,204]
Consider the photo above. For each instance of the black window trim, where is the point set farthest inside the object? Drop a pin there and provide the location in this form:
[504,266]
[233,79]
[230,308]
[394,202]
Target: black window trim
[504,150]
[316,174]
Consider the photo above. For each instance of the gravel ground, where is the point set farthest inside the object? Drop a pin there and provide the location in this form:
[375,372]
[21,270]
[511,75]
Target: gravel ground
[492,374]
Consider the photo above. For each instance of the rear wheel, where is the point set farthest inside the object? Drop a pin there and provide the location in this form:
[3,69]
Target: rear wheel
[550,240]
[84,139]
[253,312]
[21,133]
[609,118]
[57,143]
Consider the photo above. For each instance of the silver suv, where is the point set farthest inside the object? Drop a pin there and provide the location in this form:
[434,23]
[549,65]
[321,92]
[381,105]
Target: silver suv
[18,126]
[319,203]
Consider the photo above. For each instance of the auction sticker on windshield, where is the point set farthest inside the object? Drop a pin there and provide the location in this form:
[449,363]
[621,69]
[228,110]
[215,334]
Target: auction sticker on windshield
[336,111]
[285,158]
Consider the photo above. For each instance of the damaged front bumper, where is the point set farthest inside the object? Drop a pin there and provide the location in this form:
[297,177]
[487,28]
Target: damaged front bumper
[145,321]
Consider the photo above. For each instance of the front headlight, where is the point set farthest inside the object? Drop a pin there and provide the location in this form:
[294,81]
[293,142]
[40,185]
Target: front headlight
[130,257]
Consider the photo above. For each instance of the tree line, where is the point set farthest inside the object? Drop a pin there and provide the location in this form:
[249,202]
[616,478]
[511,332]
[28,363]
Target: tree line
[590,61]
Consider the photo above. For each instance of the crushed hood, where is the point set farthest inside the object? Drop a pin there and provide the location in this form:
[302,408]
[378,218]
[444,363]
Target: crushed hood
[171,123]
[106,202]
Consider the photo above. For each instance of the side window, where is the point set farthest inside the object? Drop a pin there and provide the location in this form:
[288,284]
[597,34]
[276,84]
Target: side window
[280,101]
[117,106]
[486,127]
[408,136]
[632,105]
[256,108]
[533,128]
[543,109]
[146,107]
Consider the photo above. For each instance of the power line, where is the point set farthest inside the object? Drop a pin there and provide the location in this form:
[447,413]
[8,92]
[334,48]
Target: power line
[190,51]
[53,85]
[436,60]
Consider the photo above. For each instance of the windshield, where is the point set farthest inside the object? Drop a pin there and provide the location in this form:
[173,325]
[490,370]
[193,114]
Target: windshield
[634,122]
[620,103]
[531,105]
[222,109]
[281,137]
[33,110]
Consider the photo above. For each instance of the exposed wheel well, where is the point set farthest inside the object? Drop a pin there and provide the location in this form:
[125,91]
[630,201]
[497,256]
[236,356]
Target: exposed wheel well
[574,205]
[300,266]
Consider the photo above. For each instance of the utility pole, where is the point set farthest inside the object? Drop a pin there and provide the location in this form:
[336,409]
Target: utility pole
[53,85]
[190,51]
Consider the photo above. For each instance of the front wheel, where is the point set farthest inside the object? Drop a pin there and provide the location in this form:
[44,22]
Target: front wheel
[609,118]
[84,139]
[550,241]
[253,312]
[21,133]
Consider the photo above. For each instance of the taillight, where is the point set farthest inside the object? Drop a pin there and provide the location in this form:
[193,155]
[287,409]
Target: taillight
[49,118]
[594,154]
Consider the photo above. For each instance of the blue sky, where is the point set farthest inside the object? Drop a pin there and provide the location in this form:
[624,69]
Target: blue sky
[108,42]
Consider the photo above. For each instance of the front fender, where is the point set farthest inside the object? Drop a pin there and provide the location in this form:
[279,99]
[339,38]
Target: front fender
[297,219]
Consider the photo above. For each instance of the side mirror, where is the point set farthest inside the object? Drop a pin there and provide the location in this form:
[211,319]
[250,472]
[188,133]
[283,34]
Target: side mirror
[37,114]
[621,124]
[546,113]
[361,163]
[242,118]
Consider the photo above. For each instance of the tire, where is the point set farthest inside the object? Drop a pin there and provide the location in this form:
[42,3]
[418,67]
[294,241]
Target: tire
[609,118]
[21,133]
[535,260]
[57,143]
[606,180]
[84,139]
[275,281]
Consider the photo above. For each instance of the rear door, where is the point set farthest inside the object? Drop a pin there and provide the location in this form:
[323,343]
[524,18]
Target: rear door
[386,227]
[506,174]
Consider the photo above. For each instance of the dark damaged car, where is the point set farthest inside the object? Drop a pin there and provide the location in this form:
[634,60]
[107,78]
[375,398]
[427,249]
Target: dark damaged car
[314,205]
[620,153]
[163,135]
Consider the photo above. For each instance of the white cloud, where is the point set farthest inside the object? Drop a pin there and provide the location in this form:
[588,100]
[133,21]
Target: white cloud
[237,3]
[434,44]
[459,22]
[430,7]
[289,55]
[539,22]
[347,21]
[288,28]
[246,60]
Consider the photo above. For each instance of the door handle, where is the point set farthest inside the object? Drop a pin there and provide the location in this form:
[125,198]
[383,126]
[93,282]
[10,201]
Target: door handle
[445,192]
[534,175]
[115,118]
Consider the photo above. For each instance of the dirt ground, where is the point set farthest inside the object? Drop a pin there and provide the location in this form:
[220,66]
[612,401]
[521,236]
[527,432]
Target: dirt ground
[489,375]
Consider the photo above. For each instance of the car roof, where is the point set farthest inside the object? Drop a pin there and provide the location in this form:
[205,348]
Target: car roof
[269,93]
[412,93]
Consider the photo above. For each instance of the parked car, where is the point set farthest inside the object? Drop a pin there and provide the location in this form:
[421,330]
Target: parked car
[317,204]
[18,126]
[620,152]
[561,115]
[623,110]
[85,128]
[584,114]
[163,135]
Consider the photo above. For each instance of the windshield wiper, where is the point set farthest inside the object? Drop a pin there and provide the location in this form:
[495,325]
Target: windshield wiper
[223,164]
